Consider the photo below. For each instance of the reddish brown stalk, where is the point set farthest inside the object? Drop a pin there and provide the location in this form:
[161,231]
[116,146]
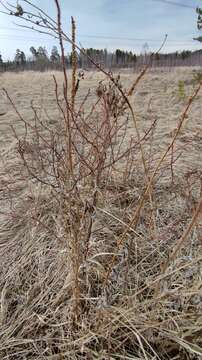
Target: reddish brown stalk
[74,63]
[67,117]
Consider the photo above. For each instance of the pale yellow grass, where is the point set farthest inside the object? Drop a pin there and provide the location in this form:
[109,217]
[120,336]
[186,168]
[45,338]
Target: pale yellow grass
[156,97]
[143,313]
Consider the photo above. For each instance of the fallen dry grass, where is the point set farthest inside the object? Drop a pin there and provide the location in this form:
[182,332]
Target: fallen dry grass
[151,304]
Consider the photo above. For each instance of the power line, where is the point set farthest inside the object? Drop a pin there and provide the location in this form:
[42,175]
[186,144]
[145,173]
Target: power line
[104,37]
[133,39]
[171,2]
[16,38]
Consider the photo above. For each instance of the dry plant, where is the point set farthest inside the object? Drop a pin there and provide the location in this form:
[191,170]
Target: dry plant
[95,263]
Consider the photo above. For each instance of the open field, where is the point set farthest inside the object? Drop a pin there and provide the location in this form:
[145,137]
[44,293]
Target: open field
[148,304]
[158,96]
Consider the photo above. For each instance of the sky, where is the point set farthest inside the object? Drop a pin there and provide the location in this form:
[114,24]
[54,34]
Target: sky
[110,24]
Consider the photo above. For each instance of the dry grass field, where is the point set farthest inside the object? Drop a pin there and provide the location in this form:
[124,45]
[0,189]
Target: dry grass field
[137,292]
[158,96]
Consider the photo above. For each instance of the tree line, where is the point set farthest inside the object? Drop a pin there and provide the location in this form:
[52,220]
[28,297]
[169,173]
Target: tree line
[40,60]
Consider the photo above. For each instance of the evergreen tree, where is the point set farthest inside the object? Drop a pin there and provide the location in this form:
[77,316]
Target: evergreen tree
[55,56]
[42,54]
[185,54]
[199,22]
[20,58]
[34,52]
[23,58]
